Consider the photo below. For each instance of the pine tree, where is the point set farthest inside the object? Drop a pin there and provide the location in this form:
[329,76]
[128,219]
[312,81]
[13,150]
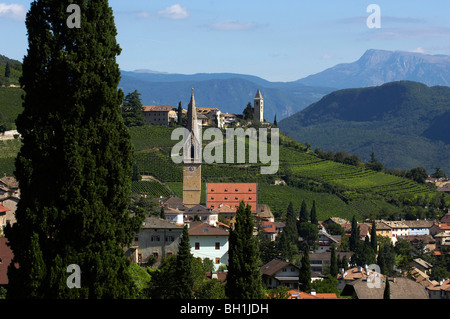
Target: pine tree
[132,111]
[275,124]
[185,278]
[244,275]
[74,166]
[305,271]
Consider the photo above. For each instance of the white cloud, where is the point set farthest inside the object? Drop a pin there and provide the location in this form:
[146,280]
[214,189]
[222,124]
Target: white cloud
[176,12]
[232,25]
[12,11]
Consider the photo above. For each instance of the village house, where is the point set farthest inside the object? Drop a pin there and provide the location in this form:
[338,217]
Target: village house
[437,228]
[9,198]
[400,288]
[356,273]
[320,262]
[157,239]
[442,240]
[209,242]
[231,194]
[446,218]
[163,115]
[210,116]
[278,272]
[441,290]
[398,230]
[418,227]
[325,241]
[269,230]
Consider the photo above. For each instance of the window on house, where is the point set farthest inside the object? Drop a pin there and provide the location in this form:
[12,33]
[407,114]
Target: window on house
[155,254]
[217,260]
[217,245]
[197,246]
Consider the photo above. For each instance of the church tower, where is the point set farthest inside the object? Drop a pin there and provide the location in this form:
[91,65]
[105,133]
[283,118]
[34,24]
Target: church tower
[192,169]
[258,104]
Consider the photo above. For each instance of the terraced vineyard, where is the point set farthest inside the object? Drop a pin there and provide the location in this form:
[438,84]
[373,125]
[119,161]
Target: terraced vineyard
[151,188]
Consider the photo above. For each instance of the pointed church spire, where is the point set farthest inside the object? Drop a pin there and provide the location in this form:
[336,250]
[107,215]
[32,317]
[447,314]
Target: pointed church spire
[192,113]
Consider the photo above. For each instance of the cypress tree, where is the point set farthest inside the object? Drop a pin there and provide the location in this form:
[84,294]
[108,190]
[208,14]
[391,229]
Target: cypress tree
[244,274]
[373,237]
[74,166]
[185,279]
[304,214]
[305,271]
[387,290]
[179,113]
[333,263]
[291,225]
[354,235]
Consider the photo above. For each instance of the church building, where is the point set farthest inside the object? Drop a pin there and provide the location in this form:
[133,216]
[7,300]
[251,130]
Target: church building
[192,168]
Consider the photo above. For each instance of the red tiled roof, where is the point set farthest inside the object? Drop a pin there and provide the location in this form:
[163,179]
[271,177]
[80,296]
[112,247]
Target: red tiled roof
[305,295]
[3,209]
[231,194]
[268,227]
[203,229]
[158,108]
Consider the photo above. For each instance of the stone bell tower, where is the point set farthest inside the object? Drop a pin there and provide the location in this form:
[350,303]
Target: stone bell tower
[192,169]
[258,104]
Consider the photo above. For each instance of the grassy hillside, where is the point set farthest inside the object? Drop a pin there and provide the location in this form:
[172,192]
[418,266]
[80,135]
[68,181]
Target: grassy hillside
[338,189]
[405,123]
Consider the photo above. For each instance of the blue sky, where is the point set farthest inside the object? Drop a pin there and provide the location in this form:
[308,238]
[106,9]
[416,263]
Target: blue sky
[281,40]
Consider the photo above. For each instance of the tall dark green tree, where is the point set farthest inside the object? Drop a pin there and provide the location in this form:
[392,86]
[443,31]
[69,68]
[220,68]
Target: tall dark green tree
[291,225]
[354,235]
[179,114]
[244,274]
[387,290]
[373,237]
[7,70]
[333,262]
[185,278]
[74,166]
[248,112]
[132,110]
[305,271]
[304,213]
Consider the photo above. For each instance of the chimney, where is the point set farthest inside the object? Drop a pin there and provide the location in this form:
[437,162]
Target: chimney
[359,269]
[313,292]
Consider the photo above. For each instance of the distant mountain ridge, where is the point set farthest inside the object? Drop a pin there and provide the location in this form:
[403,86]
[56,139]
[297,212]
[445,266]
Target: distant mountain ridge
[405,123]
[229,92]
[376,67]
